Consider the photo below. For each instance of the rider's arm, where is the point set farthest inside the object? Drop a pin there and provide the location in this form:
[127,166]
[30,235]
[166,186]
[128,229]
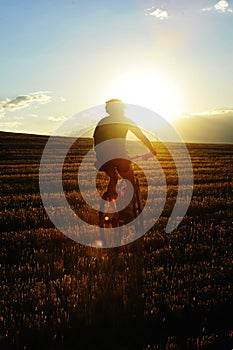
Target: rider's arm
[137,132]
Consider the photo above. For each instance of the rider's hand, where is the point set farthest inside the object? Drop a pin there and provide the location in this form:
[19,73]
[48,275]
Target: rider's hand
[148,155]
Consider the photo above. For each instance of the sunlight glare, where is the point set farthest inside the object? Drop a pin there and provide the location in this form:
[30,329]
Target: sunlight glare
[149,89]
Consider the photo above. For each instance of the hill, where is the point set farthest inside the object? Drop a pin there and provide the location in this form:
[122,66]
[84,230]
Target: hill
[216,128]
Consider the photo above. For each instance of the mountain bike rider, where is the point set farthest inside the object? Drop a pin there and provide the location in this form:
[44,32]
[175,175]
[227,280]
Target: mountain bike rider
[115,127]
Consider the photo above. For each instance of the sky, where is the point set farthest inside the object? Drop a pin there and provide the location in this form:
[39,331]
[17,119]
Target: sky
[60,57]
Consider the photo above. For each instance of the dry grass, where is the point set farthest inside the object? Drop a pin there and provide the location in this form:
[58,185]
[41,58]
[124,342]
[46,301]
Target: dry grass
[172,292]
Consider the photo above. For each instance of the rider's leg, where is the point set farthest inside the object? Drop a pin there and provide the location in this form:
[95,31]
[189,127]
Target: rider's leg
[126,172]
[111,190]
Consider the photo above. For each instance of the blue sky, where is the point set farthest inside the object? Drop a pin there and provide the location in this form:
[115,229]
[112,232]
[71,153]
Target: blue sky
[59,57]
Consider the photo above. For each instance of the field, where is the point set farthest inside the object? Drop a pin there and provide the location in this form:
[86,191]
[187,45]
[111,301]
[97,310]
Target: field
[161,292]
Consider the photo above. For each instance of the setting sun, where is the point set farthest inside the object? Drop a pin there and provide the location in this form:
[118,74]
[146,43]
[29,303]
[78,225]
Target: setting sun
[150,89]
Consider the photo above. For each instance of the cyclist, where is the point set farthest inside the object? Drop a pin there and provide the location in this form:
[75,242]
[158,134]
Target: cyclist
[115,127]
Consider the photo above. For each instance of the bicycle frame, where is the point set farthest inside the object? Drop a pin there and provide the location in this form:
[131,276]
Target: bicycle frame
[116,219]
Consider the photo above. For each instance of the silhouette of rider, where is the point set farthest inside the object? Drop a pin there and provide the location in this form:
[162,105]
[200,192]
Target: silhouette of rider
[115,127]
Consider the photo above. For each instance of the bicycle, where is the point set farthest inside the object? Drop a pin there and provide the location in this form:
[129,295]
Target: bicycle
[112,215]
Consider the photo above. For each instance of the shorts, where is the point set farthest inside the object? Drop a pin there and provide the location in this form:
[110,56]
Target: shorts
[120,163]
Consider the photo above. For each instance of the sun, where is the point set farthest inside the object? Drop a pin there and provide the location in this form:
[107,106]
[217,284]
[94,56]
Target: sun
[149,89]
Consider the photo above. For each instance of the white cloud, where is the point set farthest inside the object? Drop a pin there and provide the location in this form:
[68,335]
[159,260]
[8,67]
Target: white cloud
[158,13]
[6,125]
[162,11]
[23,101]
[56,119]
[221,6]
[207,8]
[222,112]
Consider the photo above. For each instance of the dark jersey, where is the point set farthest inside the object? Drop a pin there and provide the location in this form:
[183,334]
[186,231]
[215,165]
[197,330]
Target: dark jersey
[109,138]
[109,128]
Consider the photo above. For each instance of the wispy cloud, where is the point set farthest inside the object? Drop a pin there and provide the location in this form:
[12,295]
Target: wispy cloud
[221,6]
[11,125]
[23,101]
[56,119]
[156,12]
[218,113]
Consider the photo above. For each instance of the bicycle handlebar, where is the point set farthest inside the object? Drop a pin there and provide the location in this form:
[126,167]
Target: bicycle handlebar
[144,156]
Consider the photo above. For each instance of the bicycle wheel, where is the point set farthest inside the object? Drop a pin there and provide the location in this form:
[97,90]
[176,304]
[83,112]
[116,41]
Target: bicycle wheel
[138,207]
[108,218]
